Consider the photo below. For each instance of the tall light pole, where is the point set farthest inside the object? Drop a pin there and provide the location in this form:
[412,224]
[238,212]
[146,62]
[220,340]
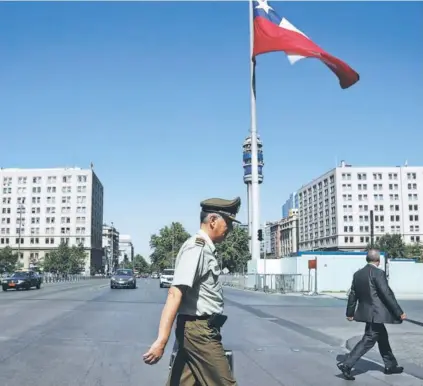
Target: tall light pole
[112,252]
[20,229]
[173,247]
[255,190]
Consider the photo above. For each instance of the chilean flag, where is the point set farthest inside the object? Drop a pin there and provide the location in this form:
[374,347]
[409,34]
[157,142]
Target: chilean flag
[273,33]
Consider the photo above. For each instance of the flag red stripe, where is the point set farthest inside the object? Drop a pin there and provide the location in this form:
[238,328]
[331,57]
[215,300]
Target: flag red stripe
[269,37]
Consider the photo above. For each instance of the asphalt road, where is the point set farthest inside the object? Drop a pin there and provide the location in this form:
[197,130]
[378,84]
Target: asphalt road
[85,334]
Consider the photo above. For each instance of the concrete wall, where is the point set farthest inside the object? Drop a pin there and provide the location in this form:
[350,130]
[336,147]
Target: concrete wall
[406,277]
[335,271]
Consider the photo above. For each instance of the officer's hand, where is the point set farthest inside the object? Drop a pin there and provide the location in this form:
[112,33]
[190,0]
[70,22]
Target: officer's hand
[152,356]
[350,318]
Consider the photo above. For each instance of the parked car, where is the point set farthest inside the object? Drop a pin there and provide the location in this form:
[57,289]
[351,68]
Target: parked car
[166,278]
[123,278]
[22,280]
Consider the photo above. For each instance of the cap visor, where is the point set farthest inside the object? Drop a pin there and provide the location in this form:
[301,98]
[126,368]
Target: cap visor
[233,219]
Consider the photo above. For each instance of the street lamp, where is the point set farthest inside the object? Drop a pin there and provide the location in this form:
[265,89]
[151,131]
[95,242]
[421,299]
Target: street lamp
[173,247]
[112,255]
[20,207]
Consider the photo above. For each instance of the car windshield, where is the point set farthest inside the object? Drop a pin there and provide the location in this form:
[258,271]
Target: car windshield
[124,272]
[20,275]
[168,271]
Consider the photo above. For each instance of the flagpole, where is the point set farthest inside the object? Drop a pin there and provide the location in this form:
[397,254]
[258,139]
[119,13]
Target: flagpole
[255,200]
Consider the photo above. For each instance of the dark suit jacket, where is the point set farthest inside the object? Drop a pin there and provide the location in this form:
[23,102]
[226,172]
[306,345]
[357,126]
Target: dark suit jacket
[376,301]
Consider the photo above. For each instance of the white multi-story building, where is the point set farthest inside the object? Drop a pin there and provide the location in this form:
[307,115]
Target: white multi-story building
[110,247]
[273,239]
[40,208]
[266,244]
[282,236]
[289,233]
[334,209]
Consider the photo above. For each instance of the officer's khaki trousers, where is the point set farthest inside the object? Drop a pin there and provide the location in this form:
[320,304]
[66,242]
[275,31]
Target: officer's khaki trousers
[201,359]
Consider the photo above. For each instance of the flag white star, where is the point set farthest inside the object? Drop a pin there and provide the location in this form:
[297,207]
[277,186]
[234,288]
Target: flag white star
[262,4]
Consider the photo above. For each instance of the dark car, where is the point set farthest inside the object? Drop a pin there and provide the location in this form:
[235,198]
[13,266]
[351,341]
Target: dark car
[123,278]
[22,280]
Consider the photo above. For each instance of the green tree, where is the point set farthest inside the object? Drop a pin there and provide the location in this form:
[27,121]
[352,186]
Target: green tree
[54,262]
[141,264]
[8,260]
[65,259]
[50,262]
[392,245]
[414,251]
[166,245]
[76,260]
[234,250]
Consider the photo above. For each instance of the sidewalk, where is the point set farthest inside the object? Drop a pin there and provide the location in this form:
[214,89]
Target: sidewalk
[322,317]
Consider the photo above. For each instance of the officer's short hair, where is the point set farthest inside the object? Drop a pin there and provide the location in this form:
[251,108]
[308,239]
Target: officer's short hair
[204,216]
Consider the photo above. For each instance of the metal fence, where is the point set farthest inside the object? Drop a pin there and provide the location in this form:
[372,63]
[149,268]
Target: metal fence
[58,278]
[282,283]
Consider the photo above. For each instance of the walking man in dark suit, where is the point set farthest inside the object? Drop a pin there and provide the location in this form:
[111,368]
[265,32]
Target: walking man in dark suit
[376,306]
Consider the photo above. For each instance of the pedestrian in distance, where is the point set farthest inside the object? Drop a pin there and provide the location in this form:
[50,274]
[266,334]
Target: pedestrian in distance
[196,298]
[377,306]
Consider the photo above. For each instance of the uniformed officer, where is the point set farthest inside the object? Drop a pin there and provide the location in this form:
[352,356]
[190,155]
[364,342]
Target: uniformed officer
[196,296]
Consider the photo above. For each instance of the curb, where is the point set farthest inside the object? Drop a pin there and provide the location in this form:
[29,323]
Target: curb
[409,368]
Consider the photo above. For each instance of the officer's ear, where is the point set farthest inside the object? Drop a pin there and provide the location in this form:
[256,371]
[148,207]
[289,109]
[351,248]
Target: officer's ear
[212,220]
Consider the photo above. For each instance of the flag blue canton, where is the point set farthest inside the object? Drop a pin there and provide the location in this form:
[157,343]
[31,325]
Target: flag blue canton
[271,15]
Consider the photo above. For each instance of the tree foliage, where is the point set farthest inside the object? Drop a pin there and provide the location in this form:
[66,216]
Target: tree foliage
[141,264]
[234,250]
[8,260]
[166,245]
[65,259]
[414,251]
[394,247]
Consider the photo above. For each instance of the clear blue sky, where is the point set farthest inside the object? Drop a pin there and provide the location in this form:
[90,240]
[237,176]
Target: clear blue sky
[157,96]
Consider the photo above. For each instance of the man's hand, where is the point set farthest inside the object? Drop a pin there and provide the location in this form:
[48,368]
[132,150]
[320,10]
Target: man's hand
[154,354]
[403,316]
[350,318]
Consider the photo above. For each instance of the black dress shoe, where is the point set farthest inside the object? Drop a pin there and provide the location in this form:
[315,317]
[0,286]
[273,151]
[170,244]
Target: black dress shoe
[346,371]
[393,370]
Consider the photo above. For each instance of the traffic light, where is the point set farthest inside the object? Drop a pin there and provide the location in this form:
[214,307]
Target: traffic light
[260,235]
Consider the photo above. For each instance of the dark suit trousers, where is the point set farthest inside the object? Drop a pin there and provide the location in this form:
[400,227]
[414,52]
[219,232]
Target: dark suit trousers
[374,333]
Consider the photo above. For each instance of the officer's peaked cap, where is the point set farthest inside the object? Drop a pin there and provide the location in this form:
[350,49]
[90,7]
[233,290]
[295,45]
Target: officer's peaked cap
[226,208]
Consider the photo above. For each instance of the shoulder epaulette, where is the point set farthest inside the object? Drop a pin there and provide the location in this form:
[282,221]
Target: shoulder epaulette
[200,242]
